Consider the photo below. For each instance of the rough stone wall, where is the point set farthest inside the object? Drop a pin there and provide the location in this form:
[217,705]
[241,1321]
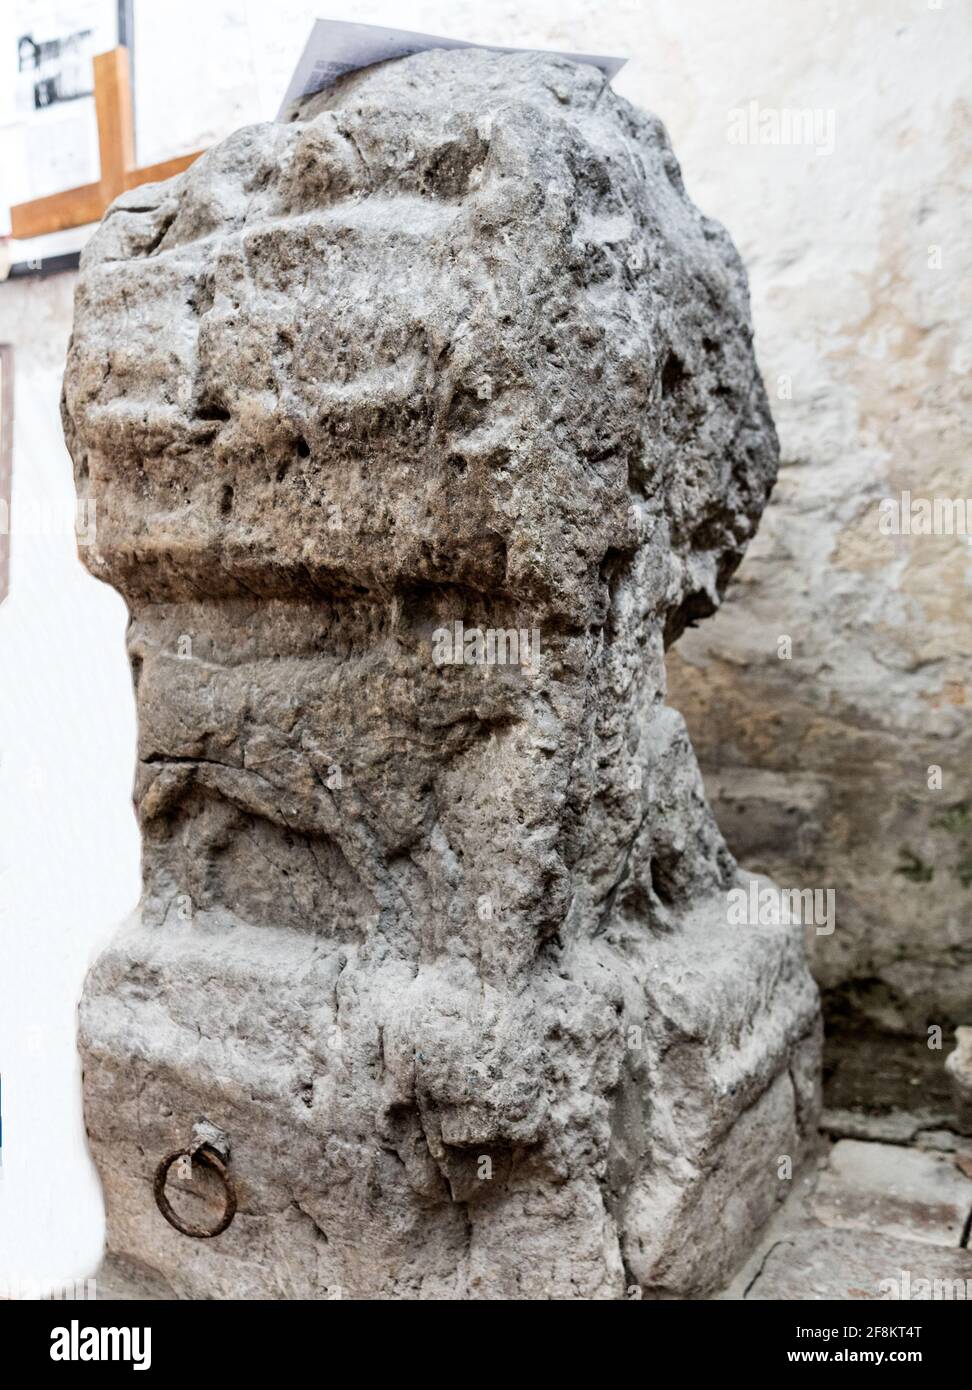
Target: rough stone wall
[818,766]
[455,346]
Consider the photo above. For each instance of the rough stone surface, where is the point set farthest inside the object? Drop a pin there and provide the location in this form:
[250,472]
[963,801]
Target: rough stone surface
[442,948]
[847,1265]
[920,1127]
[859,263]
[887,1087]
[899,1192]
[118,1278]
[868,1220]
[958,1064]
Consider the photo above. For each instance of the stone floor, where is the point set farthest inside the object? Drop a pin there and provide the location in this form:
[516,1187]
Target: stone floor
[890,1198]
[873,1219]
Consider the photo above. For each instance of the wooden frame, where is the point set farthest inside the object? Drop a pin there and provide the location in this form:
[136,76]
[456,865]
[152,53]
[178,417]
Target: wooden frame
[116,144]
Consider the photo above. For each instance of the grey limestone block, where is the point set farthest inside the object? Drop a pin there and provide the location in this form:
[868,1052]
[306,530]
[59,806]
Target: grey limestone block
[440,945]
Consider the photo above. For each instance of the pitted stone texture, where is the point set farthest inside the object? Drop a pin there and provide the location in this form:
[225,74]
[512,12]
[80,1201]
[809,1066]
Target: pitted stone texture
[479,316]
[443,948]
[958,1064]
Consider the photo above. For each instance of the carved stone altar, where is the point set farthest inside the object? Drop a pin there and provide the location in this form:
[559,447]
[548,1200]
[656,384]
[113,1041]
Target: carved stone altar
[433,925]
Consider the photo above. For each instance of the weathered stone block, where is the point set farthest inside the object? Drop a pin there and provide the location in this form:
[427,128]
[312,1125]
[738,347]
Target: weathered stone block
[440,944]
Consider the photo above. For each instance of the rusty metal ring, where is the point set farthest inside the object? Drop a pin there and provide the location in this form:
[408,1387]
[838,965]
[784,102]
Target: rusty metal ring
[210,1159]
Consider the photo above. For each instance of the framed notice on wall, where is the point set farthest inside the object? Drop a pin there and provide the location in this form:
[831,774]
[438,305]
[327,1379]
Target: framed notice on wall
[48,120]
[6,461]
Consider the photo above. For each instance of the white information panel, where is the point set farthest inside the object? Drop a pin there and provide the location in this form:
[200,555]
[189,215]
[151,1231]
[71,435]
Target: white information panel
[336,48]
